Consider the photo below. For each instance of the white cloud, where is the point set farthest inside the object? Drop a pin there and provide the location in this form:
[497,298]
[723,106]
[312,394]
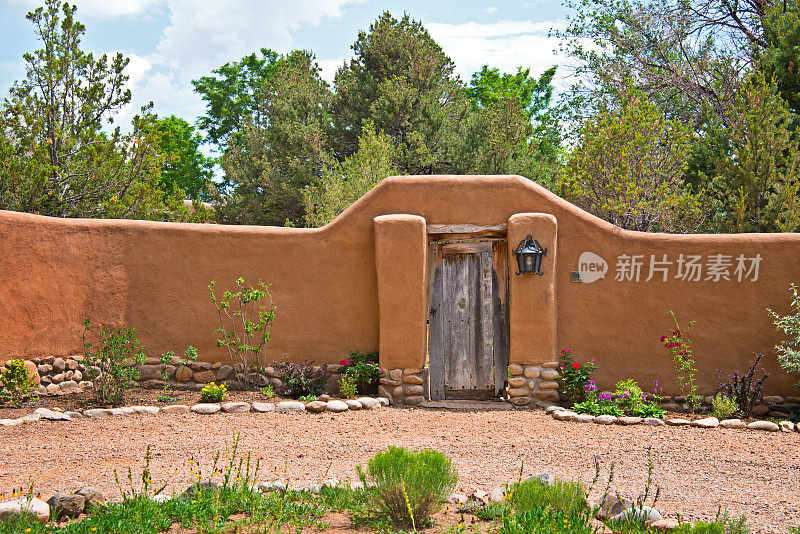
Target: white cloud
[489,10]
[104,8]
[204,34]
[503,44]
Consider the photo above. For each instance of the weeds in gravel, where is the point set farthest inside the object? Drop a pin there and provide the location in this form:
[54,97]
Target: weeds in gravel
[722,524]
[561,496]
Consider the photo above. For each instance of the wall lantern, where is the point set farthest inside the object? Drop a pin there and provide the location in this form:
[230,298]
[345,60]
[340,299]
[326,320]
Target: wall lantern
[529,255]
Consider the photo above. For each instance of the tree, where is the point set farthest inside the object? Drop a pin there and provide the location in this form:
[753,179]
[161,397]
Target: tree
[269,164]
[232,95]
[185,166]
[758,183]
[513,128]
[628,165]
[401,81]
[780,57]
[56,158]
[343,183]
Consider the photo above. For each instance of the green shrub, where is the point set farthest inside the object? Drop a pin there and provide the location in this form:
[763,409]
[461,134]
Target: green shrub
[789,350]
[212,392]
[115,364]
[347,387]
[364,370]
[629,395]
[301,379]
[15,382]
[529,495]
[648,409]
[408,486]
[548,521]
[244,324]
[723,524]
[723,407]
[268,391]
[601,404]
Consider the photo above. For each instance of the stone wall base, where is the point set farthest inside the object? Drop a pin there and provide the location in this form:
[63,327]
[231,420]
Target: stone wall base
[409,387]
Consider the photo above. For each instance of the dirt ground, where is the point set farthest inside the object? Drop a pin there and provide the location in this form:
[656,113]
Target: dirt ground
[750,472]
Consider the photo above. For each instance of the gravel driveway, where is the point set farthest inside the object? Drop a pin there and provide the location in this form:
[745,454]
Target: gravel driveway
[750,472]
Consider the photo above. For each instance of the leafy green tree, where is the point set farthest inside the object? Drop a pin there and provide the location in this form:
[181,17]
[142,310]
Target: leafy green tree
[232,95]
[343,183]
[270,163]
[780,58]
[401,81]
[627,168]
[185,166]
[758,183]
[56,158]
[513,129]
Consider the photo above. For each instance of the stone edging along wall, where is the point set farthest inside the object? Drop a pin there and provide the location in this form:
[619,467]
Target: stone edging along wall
[153,276]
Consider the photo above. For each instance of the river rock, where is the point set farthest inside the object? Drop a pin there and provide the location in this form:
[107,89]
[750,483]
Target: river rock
[353,404]
[39,509]
[96,413]
[125,410]
[564,415]
[290,406]
[769,426]
[236,407]
[316,406]
[369,403]
[732,423]
[175,408]
[629,420]
[653,421]
[66,505]
[11,422]
[676,421]
[605,420]
[146,410]
[51,415]
[642,513]
[92,497]
[583,418]
[337,406]
[31,418]
[613,505]
[497,495]
[263,407]
[385,402]
[786,426]
[708,422]
[205,408]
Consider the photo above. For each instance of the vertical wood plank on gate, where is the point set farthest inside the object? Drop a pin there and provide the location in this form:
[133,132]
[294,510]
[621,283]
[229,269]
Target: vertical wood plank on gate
[436,321]
[484,332]
[459,324]
[501,317]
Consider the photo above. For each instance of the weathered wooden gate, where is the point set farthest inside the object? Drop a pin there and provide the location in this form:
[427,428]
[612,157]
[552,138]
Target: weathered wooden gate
[468,319]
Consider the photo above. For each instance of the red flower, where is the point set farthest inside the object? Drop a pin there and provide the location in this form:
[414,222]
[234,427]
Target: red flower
[576,365]
[344,362]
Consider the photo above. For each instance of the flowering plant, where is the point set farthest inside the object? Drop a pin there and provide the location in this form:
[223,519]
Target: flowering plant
[212,392]
[679,348]
[597,404]
[575,377]
[363,369]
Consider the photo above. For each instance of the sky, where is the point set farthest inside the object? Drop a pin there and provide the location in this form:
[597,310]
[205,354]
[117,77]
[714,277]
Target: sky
[171,42]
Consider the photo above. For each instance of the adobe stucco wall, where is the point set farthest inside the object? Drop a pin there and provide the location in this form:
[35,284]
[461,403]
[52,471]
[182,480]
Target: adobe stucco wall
[153,276]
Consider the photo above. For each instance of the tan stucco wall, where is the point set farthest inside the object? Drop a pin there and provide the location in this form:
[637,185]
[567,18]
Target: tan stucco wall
[532,302]
[55,272]
[400,264]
